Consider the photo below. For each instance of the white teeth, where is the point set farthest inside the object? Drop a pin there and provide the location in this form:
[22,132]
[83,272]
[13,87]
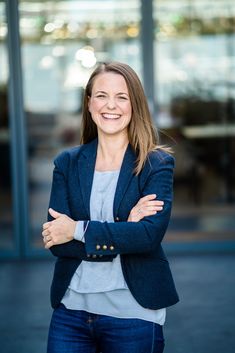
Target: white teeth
[111,116]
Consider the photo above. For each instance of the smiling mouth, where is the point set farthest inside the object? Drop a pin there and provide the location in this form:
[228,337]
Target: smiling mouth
[111,116]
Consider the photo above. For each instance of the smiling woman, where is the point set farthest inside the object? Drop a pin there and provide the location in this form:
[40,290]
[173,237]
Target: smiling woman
[105,224]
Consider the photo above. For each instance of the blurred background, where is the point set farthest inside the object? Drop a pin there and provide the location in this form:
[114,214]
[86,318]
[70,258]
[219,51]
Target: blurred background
[184,53]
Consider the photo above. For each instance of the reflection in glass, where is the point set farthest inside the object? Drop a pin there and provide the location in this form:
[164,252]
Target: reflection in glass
[6,224]
[195,75]
[62,41]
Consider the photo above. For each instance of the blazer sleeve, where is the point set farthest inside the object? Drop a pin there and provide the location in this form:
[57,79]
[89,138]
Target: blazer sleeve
[59,202]
[145,235]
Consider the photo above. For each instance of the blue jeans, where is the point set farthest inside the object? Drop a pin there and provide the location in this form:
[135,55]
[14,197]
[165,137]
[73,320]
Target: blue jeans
[76,331]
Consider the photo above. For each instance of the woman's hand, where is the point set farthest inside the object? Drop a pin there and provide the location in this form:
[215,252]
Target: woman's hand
[146,206]
[59,231]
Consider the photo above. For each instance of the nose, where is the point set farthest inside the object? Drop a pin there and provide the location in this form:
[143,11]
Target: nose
[111,104]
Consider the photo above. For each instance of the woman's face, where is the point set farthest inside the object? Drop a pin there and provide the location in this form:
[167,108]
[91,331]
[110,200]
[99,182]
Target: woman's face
[109,104]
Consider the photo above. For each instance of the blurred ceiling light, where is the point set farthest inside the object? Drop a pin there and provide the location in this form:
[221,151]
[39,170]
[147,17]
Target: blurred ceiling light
[49,27]
[89,62]
[46,63]
[133,31]
[168,29]
[86,56]
[81,53]
[3,31]
[75,77]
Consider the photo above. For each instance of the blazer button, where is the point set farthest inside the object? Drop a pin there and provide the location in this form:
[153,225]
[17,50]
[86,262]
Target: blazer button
[98,247]
[88,255]
[104,247]
[117,219]
[111,247]
[94,256]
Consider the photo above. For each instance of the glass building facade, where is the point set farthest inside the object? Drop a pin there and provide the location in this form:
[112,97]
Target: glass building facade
[184,53]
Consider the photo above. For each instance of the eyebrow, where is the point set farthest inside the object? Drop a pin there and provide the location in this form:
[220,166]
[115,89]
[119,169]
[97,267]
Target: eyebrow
[99,91]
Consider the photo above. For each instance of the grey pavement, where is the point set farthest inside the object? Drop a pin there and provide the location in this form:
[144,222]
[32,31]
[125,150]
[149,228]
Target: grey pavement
[203,321]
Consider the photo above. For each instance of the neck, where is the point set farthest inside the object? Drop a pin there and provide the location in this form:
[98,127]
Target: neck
[110,152]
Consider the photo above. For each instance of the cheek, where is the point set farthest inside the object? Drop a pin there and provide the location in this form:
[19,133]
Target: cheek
[128,109]
[129,113]
[129,121]
[94,107]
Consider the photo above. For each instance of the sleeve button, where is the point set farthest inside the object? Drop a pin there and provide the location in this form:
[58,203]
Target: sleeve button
[98,247]
[104,247]
[111,247]
[94,256]
[117,219]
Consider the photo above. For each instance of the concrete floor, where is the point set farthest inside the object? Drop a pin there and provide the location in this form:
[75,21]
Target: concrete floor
[203,321]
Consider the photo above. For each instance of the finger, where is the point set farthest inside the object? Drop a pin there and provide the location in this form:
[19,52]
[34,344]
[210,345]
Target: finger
[145,214]
[146,209]
[49,244]
[158,202]
[153,203]
[147,197]
[54,213]
[152,208]
[46,239]
[46,225]
[45,233]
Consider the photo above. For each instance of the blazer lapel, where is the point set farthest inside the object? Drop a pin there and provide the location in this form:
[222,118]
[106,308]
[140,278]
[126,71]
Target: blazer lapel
[125,176]
[86,167]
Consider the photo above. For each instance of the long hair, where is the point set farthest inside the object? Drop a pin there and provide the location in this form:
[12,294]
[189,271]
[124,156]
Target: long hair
[142,134]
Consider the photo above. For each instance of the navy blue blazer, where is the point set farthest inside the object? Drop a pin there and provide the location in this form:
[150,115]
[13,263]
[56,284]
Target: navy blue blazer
[144,264]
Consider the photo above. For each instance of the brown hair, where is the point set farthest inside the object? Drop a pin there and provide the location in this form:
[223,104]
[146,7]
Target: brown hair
[142,134]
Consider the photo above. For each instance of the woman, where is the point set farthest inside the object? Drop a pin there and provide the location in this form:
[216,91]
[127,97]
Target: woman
[112,281]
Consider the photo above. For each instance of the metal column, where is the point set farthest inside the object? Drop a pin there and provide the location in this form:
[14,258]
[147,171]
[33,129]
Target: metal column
[17,129]
[147,42]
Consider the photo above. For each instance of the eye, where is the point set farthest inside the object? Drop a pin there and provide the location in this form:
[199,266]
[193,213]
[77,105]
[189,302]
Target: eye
[100,95]
[123,98]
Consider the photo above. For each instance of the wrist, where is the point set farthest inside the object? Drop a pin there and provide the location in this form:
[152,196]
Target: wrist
[73,228]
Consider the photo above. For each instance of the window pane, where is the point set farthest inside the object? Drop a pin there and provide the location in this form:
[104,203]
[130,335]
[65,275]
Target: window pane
[195,75]
[62,41]
[6,219]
